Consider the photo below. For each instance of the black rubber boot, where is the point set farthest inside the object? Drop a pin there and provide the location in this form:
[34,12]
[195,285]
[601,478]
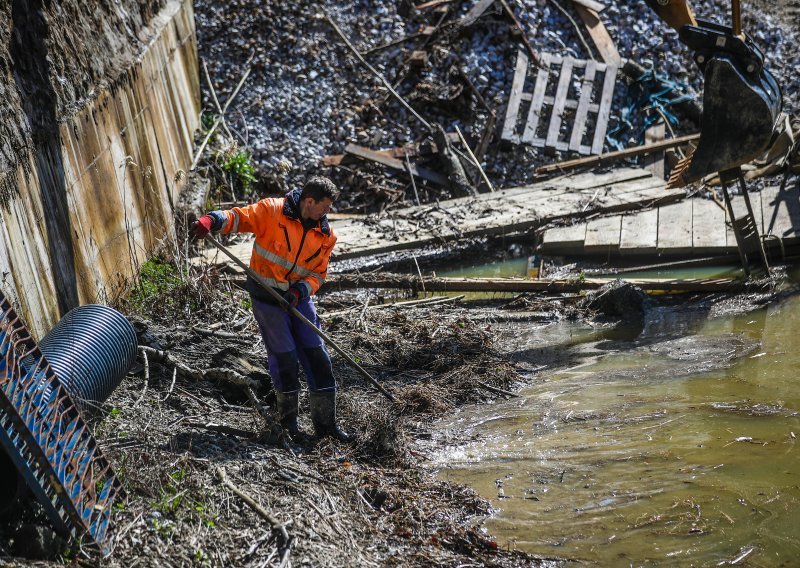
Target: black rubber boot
[286,406]
[323,416]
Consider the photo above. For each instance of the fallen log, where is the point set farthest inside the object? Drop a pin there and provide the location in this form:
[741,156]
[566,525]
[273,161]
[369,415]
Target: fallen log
[414,283]
[617,155]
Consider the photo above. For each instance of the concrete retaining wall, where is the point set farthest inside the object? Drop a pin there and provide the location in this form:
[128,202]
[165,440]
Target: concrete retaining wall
[93,195]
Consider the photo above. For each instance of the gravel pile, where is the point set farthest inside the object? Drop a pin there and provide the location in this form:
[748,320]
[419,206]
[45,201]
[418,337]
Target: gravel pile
[308,97]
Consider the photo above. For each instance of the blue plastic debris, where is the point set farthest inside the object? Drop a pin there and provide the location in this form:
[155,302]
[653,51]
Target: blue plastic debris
[652,94]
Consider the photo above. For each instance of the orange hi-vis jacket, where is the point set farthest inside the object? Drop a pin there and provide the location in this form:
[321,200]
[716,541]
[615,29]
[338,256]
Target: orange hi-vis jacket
[285,253]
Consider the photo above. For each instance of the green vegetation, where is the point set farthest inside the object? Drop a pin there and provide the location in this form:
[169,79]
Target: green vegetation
[156,277]
[207,120]
[238,166]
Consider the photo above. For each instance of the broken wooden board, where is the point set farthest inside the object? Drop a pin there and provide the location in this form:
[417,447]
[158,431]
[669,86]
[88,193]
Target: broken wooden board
[694,227]
[554,116]
[655,161]
[395,164]
[599,34]
[505,211]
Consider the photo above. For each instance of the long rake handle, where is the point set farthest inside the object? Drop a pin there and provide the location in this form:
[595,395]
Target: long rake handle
[258,278]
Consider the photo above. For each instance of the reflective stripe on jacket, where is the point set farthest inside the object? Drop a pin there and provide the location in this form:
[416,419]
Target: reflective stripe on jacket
[284,253]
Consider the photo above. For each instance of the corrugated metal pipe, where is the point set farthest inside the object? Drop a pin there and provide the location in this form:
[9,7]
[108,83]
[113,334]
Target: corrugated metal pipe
[90,350]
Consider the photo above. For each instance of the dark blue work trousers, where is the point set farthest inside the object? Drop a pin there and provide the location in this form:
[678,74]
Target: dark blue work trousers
[290,343]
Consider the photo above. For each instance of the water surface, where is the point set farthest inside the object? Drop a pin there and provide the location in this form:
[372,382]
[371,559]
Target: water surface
[677,448]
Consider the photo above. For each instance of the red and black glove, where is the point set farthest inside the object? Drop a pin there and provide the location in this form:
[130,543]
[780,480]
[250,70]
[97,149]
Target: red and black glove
[201,227]
[292,296]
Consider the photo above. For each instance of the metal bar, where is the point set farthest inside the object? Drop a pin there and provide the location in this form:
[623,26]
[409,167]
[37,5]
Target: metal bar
[762,254]
[736,232]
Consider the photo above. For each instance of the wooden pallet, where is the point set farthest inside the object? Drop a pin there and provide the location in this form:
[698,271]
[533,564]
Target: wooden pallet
[554,116]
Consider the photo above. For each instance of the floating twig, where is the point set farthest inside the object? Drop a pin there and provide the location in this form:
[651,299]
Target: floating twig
[496,390]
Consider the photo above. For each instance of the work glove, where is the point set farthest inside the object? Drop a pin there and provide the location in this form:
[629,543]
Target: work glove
[292,296]
[201,227]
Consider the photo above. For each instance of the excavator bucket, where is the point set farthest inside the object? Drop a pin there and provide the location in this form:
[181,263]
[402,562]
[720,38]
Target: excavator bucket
[741,104]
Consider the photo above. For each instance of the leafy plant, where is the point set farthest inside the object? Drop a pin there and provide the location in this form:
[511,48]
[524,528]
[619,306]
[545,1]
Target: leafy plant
[207,120]
[238,164]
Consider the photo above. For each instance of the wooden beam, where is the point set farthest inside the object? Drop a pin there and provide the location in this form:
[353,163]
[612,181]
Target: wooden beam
[617,155]
[410,150]
[517,285]
[600,36]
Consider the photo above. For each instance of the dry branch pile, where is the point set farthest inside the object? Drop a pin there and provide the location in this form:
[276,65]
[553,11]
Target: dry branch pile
[211,481]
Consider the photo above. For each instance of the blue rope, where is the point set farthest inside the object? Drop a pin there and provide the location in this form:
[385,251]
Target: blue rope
[651,92]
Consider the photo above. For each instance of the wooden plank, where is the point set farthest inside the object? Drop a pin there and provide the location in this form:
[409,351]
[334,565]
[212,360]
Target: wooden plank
[708,227]
[711,285]
[655,161]
[575,142]
[434,3]
[411,150]
[562,184]
[600,36]
[512,110]
[639,233]
[675,228]
[563,240]
[564,81]
[605,109]
[535,112]
[609,157]
[523,209]
[395,164]
[603,234]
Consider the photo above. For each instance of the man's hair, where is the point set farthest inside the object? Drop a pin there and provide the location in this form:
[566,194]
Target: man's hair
[319,188]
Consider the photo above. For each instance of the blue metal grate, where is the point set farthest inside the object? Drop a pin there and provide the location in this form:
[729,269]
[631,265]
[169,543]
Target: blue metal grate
[48,440]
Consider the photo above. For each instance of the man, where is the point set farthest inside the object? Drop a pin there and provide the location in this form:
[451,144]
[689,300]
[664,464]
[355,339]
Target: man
[293,246]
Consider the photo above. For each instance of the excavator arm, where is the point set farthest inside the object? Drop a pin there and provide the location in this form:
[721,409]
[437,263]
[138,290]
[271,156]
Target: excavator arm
[741,99]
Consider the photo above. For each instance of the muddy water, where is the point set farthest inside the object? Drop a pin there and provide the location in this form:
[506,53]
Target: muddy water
[675,448]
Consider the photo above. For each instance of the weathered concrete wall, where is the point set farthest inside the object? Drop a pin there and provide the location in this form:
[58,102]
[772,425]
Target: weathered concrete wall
[100,101]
